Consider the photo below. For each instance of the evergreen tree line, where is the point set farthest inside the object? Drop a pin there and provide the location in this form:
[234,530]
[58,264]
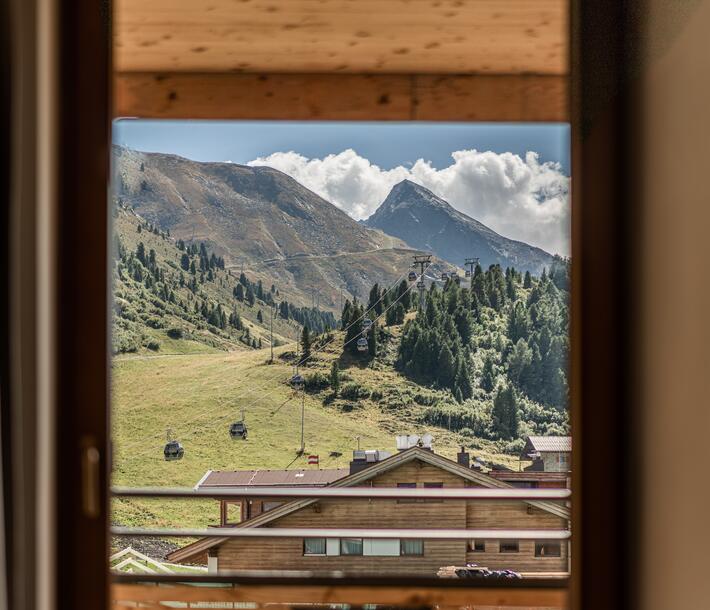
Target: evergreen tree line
[513,325]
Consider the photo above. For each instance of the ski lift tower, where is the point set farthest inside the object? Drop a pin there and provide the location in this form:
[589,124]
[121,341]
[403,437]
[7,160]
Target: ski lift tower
[422,261]
[470,265]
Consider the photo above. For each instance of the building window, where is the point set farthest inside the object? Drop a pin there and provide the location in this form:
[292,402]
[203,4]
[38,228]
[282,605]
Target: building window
[433,486]
[406,486]
[509,546]
[314,546]
[377,547]
[548,549]
[351,546]
[411,547]
[477,546]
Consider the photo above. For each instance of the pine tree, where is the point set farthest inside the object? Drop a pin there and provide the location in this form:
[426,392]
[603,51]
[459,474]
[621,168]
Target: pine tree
[239,292]
[527,282]
[306,343]
[505,413]
[518,322]
[372,341]
[519,360]
[446,370]
[250,299]
[487,375]
[140,253]
[335,378]
[260,317]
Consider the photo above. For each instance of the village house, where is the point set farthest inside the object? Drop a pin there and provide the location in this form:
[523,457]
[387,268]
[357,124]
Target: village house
[414,467]
[550,468]
[548,453]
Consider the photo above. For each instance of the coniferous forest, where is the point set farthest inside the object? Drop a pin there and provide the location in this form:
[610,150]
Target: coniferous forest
[497,344]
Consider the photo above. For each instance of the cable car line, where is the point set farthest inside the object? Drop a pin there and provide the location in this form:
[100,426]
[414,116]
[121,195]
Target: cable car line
[195,417]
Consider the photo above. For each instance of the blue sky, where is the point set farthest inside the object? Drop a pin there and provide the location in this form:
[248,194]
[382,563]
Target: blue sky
[482,169]
[384,144]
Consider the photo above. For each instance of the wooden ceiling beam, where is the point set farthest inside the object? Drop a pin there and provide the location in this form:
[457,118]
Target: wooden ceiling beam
[372,97]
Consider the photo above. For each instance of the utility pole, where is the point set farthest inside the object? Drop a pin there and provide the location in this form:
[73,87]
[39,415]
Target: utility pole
[303,421]
[271,332]
[422,261]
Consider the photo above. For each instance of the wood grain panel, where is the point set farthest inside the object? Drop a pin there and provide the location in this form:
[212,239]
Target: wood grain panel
[393,36]
[341,97]
[411,597]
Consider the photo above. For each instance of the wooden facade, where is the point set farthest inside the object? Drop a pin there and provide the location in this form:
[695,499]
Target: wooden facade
[287,554]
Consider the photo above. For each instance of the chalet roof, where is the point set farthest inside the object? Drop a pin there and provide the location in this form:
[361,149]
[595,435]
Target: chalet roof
[271,478]
[548,443]
[415,453]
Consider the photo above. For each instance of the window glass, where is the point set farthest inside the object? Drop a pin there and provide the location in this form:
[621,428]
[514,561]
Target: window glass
[314,546]
[509,546]
[276,322]
[477,546]
[406,486]
[412,547]
[351,546]
[381,548]
[548,549]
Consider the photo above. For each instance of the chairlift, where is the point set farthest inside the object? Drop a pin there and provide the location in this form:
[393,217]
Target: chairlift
[412,276]
[362,344]
[173,451]
[238,431]
[297,382]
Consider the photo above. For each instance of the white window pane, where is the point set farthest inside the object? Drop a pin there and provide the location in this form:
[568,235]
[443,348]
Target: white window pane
[332,546]
[381,548]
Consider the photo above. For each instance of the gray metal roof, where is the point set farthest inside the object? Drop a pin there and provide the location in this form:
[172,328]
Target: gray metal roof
[269,478]
[550,443]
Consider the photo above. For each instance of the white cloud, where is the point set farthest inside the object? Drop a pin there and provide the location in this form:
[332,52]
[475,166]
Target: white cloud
[519,198]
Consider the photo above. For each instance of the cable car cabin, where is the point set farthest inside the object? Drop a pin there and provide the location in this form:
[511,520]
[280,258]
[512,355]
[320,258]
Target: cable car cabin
[412,276]
[238,431]
[173,451]
[362,344]
[366,324]
[297,382]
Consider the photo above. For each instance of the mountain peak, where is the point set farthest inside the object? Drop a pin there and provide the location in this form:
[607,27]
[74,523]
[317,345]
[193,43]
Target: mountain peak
[426,221]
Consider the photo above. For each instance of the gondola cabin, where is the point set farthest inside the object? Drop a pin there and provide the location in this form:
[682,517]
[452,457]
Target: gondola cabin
[366,324]
[362,344]
[173,451]
[238,431]
[297,382]
[412,276]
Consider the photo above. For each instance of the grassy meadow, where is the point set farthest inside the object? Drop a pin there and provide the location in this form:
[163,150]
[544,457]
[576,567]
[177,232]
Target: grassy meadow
[197,395]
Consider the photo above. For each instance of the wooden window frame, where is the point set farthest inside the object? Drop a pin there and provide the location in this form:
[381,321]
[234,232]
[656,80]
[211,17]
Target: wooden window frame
[605,116]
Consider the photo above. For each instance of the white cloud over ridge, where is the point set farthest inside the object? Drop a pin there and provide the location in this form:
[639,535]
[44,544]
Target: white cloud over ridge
[519,198]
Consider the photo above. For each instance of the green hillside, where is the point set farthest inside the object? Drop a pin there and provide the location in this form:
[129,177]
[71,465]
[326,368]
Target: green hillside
[172,297]
[199,395]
